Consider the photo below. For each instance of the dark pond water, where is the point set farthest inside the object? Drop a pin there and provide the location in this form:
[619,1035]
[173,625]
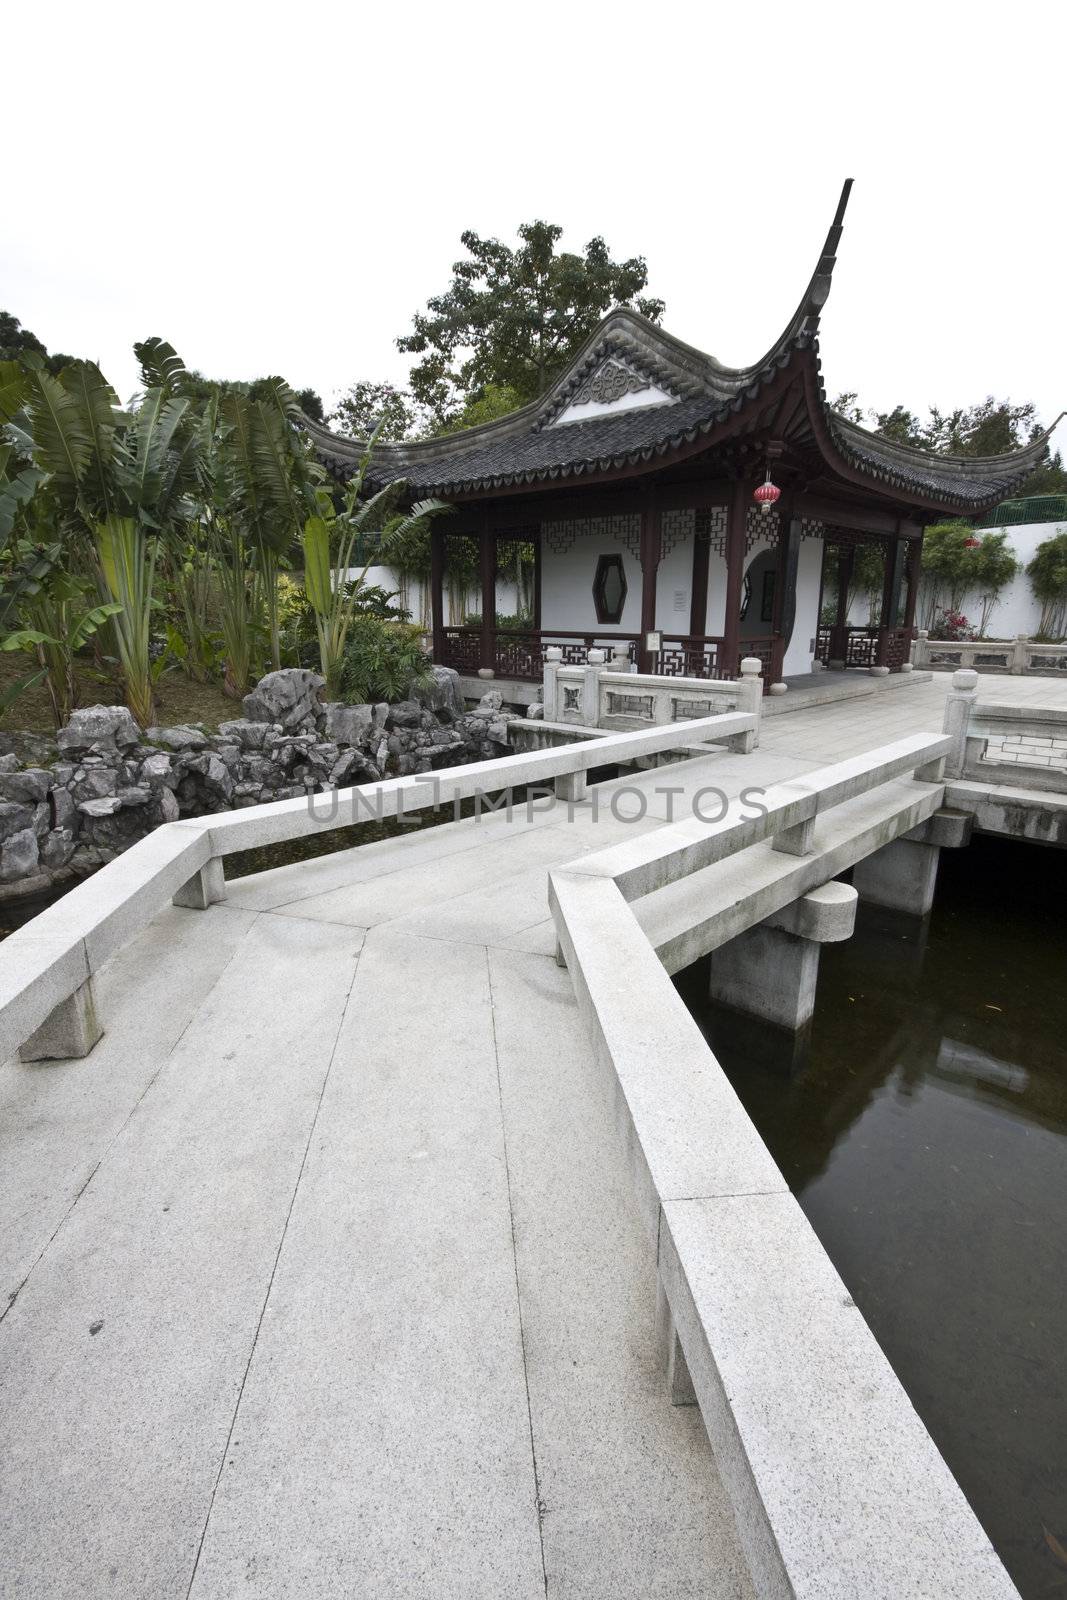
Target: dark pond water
[925,1136]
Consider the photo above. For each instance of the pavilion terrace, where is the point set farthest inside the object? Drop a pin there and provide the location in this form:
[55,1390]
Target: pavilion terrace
[633,478]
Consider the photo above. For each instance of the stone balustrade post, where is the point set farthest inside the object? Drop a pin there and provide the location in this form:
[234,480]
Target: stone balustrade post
[591,688]
[553,658]
[1020,655]
[749,698]
[959,705]
[620,658]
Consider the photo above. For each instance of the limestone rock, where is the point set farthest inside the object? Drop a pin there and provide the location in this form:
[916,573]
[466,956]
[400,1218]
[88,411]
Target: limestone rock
[289,697]
[348,724]
[14,818]
[104,728]
[249,735]
[105,806]
[26,788]
[405,714]
[180,738]
[19,855]
[441,695]
[57,847]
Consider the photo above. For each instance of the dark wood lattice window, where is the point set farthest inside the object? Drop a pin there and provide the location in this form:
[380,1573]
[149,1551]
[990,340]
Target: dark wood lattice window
[609,589]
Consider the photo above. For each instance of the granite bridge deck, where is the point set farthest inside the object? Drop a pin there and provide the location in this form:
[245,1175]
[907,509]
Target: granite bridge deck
[322,1275]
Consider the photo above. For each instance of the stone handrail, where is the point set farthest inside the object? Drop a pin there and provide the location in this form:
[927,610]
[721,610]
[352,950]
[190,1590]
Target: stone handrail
[46,967]
[1018,656]
[597,695]
[837,1488]
[1021,745]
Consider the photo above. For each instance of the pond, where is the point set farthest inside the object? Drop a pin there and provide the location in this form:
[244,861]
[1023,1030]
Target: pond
[924,1133]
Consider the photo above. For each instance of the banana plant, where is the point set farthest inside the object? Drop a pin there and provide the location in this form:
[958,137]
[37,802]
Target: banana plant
[122,482]
[330,542]
[59,621]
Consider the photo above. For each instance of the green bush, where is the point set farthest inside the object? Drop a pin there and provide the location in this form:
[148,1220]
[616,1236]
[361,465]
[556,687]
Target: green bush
[382,660]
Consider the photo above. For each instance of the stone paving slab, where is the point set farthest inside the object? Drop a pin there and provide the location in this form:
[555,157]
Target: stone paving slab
[382,1442]
[123,1357]
[59,1118]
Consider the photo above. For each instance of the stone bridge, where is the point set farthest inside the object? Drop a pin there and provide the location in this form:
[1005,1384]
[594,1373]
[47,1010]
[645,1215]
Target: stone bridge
[351,1258]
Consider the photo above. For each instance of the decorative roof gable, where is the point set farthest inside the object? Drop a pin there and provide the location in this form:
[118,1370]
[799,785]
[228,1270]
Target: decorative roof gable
[612,386]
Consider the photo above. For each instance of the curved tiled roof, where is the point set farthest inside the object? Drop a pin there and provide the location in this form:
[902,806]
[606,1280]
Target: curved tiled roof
[529,446]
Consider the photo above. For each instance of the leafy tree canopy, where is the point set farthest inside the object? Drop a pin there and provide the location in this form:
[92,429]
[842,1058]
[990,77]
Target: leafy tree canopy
[990,428]
[368,405]
[512,318]
[17,341]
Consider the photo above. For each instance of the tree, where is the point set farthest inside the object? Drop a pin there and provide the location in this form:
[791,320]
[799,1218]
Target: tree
[513,317]
[944,567]
[991,566]
[17,341]
[377,408]
[1047,572]
[990,428]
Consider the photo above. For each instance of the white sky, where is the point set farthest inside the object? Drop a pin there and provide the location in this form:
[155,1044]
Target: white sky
[277,188]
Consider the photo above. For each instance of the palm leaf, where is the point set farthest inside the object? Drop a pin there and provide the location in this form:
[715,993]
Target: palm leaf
[271,441]
[161,366]
[14,387]
[62,434]
[157,421]
[99,407]
[318,584]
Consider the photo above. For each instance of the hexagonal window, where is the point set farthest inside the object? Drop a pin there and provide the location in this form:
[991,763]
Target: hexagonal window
[609,589]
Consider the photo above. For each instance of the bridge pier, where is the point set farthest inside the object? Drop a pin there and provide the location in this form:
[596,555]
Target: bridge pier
[770,971]
[902,876]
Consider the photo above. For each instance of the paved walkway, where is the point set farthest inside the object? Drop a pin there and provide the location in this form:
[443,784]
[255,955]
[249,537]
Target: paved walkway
[322,1277]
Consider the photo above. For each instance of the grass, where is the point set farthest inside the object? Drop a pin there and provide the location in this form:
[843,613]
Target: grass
[178,699]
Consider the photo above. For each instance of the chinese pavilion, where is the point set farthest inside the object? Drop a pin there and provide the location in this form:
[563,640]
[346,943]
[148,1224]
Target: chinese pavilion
[645,481]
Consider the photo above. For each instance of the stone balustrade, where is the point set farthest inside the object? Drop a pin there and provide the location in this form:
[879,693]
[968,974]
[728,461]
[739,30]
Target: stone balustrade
[836,1486]
[46,967]
[1018,656]
[602,696]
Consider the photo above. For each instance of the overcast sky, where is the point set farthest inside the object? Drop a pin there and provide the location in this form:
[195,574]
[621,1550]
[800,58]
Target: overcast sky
[277,188]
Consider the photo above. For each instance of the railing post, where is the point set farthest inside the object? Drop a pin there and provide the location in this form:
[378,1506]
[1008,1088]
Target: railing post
[591,688]
[958,707]
[205,888]
[67,1033]
[749,698]
[553,657]
[1020,654]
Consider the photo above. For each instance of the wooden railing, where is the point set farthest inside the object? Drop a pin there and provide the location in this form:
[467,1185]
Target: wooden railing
[690,655]
[519,653]
[862,646]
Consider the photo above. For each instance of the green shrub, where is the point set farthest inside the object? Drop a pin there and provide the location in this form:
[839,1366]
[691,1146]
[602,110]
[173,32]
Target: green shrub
[382,660]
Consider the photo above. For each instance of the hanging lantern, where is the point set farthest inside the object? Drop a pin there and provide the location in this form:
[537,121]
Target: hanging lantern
[972,541]
[767,494]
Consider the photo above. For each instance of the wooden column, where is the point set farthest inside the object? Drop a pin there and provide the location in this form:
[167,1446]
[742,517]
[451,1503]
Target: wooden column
[437,591]
[736,519]
[894,577]
[785,587]
[914,568]
[650,556]
[698,604]
[487,567]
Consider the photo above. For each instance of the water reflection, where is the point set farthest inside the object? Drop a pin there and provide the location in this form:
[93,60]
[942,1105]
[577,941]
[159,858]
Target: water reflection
[924,1131]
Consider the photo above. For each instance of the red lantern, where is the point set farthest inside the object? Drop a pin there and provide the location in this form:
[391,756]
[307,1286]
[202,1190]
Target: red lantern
[767,494]
[972,542]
